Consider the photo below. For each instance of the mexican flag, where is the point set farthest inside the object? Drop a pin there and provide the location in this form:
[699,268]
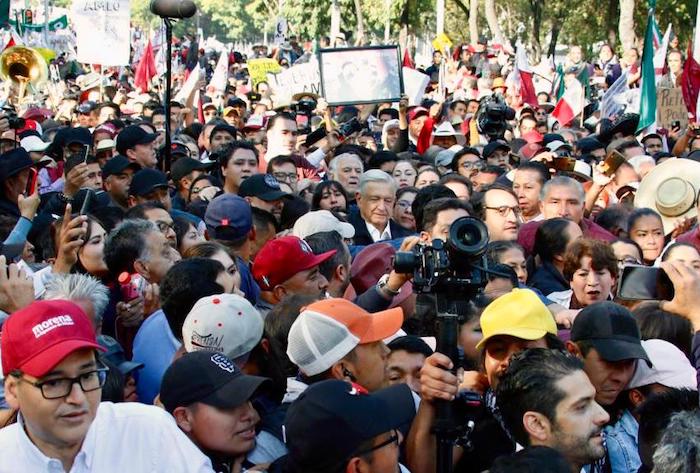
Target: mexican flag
[571,103]
[647,103]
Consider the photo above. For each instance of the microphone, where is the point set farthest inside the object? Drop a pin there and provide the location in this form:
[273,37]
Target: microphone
[173,8]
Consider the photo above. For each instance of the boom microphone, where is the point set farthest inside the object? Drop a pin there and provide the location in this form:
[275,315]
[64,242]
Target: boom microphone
[173,8]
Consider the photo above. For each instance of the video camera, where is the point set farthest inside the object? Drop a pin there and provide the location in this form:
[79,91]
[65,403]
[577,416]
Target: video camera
[455,267]
[492,117]
[454,271]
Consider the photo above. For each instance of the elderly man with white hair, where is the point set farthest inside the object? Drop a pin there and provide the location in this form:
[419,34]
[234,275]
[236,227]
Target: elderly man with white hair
[375,200]
[346,168]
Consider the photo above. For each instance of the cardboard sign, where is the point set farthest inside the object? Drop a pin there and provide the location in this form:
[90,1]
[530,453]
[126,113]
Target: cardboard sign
[102,31]
[281,31]
[258,69]
[414,84]
[670,108]
[442,43]
[297,79]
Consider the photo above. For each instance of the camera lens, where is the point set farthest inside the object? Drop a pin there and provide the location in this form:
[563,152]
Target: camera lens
[469,236]
[405,262]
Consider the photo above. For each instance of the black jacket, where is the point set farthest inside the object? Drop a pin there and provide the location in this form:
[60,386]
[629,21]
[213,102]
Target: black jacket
[362,236]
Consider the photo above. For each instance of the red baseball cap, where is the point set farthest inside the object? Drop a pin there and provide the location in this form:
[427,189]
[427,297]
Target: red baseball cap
[282,258]
[416,112]
[38,337]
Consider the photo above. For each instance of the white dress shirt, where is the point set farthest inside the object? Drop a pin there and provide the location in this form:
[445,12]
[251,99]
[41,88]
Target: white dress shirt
[126,437]
[376,234]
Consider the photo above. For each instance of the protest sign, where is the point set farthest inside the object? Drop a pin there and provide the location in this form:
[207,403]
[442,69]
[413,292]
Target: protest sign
[670,108]
[258,69]
[441,43]
[102,31]
[297,79]
[414,83]
[281,31]
[361,75]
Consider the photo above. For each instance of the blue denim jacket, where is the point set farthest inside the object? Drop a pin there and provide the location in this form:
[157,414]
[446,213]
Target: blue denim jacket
[621,440]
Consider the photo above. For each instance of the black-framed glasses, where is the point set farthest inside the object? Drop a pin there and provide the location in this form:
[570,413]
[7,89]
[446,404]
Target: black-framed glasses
[286,177]
[394,439]
[163,227]
[504,210]
[57,388]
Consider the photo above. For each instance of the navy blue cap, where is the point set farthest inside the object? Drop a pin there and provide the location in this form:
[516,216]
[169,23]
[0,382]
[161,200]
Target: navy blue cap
[352,417]
[117,165]
[262,186]
[228,217]
[588,144]
[80,135]
[14,161]
[131,136]
[146,181]
[207,377]
[493,146]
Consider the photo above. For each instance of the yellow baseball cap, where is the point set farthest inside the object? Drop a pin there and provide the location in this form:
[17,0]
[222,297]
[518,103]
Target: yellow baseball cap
[520,314]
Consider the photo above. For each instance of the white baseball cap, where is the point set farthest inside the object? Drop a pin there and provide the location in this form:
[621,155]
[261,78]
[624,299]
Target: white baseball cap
[34,144]
[224,323]
[670,367]
[321,221]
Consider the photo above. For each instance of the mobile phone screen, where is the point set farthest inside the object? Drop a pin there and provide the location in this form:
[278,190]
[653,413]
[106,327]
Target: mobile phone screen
[645,283]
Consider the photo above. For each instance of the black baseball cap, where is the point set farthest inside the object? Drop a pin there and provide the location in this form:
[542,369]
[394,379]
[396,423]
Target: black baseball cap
[493,146]
[207,377]
[78,135]
[612,331]
[352,417]
[262,186]
[225,128]
[117,165]
[183,166]
[146,181]
[131,136]
[588,145]
[179,149]
[114,353]
[13,162]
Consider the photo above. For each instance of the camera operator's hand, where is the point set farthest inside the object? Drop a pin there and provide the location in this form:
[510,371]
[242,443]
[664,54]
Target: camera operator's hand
[686,286]
[4,123]
[397,280]
[436,382]
[75,179]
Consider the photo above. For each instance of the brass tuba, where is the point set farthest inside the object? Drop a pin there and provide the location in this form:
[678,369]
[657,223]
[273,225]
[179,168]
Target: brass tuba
[23,66]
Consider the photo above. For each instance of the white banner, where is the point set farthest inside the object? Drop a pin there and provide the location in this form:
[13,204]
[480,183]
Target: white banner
[300,78]
[102,31]
[414,84]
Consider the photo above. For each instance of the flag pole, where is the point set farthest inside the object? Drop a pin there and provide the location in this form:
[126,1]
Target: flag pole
[583,101]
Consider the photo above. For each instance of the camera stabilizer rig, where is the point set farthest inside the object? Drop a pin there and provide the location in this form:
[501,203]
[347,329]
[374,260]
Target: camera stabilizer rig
[454,271]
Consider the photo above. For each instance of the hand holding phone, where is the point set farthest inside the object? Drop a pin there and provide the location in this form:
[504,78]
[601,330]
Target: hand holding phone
[645,283]
[31,182]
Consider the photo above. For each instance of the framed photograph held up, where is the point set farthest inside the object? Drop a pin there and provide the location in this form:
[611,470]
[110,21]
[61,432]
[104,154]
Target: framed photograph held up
[361,75]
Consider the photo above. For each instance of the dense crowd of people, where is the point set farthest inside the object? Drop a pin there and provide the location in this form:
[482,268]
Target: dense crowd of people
[230,304]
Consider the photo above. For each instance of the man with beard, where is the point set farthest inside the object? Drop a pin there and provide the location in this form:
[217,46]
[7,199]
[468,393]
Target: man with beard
[546,399]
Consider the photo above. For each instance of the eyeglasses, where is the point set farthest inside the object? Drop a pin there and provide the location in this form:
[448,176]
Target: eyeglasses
[628,260]
[163,227]
[472,165]
[394,439]
[61,387]
[503,210]
[286,177]
[404,204]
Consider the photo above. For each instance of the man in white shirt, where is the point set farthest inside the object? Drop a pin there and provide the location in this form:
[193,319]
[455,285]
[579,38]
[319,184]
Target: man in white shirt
[54,379]
[375,199]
